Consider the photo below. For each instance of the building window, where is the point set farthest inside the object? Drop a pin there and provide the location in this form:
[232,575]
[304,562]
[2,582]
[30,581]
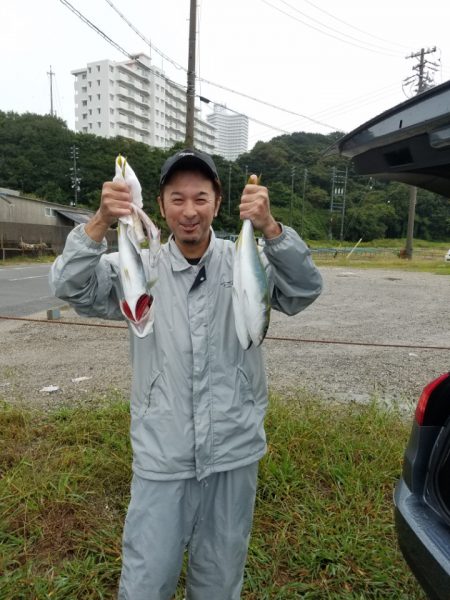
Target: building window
[90,111]
[83,76]
[98,96]
[90,83]
[111,69]
[84,89]
[85,116]
[111,111]
[84,102]
[49,212]
[98,68]
[111,82]
[89,70]
[98,81]
[90,125]
[99,110]
[99,124]
[90,98]
[85,129]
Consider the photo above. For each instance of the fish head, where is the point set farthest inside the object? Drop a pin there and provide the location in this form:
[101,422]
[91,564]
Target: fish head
[139,316]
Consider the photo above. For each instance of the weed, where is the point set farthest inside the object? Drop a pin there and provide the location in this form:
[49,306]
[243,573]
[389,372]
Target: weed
[323,524]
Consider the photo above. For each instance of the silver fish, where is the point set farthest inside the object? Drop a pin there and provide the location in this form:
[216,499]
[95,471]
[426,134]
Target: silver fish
[251,300]
[137,275]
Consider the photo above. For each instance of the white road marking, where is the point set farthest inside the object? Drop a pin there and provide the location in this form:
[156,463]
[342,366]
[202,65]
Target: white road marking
[31,277]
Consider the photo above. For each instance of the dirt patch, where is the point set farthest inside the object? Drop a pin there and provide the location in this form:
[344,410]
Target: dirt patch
[368,306]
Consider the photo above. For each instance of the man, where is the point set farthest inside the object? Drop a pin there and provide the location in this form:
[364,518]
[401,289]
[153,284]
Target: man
[198,399]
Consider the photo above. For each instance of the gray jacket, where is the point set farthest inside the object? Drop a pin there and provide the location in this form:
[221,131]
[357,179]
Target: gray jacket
[198,399]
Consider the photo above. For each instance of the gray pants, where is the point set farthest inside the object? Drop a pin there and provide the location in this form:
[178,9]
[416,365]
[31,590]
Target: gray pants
[212,518]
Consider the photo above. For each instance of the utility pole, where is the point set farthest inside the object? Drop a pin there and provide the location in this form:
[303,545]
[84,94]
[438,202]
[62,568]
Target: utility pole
[424,82]
[229,189]
[424,78]
[305,178]
[76,180]
[292,195]
[51,74]
[190,92]
[341,237]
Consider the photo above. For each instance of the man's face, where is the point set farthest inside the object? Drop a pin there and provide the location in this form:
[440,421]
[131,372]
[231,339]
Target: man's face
[189,206]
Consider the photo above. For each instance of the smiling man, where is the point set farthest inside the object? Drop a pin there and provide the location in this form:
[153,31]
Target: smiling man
[189,201]
[198,399]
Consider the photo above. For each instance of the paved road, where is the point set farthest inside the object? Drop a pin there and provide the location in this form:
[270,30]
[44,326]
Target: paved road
[24,290]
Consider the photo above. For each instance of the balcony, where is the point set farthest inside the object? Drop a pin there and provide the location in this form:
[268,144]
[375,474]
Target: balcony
[130,108]
[132,84]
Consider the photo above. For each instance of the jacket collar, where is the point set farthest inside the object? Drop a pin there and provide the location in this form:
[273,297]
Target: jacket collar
[178,261]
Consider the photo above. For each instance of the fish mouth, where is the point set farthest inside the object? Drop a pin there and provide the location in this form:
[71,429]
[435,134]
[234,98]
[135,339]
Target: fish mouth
[143,306]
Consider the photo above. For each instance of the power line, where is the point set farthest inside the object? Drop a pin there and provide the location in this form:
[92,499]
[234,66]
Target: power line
[100,32]
[146,40]
[143,65]
[202,80]
[208,101]
[325,32]
[357,100]
[384,49]
[286,110]
[354,27]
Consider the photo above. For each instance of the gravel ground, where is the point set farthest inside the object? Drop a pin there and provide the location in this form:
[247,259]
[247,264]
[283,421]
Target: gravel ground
[369,306]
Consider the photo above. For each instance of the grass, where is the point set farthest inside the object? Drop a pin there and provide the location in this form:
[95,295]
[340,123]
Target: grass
[385,243]
[25,259]
[428,257]
[422,265]
[323,524]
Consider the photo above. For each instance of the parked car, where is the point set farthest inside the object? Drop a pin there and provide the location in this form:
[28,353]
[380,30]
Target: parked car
[411,143]
[422,495]
[447,256]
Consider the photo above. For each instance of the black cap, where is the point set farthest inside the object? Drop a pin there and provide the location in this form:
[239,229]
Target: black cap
[185,159]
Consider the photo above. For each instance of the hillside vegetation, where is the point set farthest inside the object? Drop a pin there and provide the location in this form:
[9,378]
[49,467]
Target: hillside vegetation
[35,158]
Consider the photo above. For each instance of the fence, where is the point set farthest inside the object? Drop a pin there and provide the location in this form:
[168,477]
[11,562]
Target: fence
[374,253]
[24,238]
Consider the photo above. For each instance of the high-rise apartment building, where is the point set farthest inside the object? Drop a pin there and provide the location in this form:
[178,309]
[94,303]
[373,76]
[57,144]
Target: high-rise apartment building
[231,132]
[137,101]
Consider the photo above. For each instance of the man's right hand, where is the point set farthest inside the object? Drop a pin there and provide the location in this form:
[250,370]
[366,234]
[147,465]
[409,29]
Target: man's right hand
[115,202]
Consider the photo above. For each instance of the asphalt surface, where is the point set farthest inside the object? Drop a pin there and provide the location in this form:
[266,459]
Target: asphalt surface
[24,290]
[398,316]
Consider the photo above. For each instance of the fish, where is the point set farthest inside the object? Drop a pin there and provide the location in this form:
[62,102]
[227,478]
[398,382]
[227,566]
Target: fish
[138,275]
[251,298]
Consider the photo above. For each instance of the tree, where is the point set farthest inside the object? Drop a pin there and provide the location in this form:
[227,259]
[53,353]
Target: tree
[368,222]
[35,158]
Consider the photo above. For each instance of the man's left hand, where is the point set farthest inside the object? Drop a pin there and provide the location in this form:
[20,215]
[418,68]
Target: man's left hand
[255,205]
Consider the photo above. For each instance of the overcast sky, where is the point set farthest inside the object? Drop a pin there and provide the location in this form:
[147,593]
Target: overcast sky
[334,64]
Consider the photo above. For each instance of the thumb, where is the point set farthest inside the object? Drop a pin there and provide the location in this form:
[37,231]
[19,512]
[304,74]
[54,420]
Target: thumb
[253,179]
